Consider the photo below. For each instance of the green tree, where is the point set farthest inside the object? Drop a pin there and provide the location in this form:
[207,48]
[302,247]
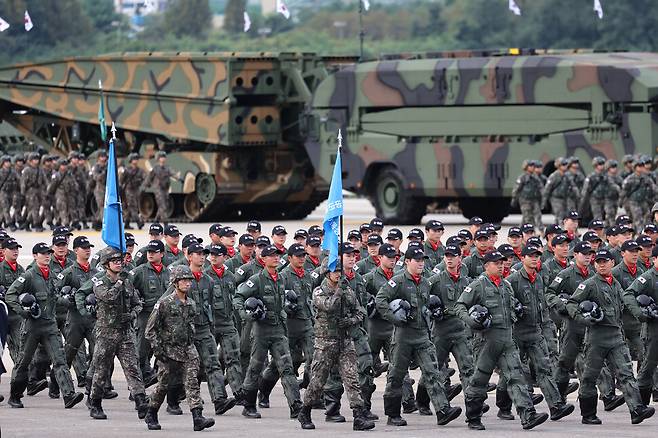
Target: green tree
[234,16]
[187,18]
[101,13]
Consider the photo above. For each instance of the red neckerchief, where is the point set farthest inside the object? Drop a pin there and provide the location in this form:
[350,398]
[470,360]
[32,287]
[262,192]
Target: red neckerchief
[219,271]
[397,257]
[583,271]
[260,262]
[517,252]
[128,258]
[608,279]
[280,247]
[197,275]
[84,267]
[506,272]
[2,258]
[299,272]
[571,235]
[12,265]
[481,253]
[174,250]
[61,261]
[273,275]
[388,273]
[350,275]
[466,252]
[230,251]
[376,260]
[531,277]
[564,265]
[45,271]
[314,260]
[539,265]
[158,267]
[647,263]
[416,279]
[245,259]
[632,269]
[357,256]
[495,280]
[454,277]
[434,246]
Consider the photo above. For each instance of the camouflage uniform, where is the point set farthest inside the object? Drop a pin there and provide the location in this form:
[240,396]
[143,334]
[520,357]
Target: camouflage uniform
[131,181]
[615,183]
[81,178]
[637,188]
[160,179]
[48,201]
[18,201]
[98,177]
[63,186]
[558,189]
[8,186]
[33,185]
[594,190]
[7,276]
[527,192]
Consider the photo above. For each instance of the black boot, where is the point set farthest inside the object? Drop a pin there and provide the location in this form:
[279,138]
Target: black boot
[561,411]
[536,399]
[641,413]
[504,403]
[173,404]
[295,408]
[409,406]
[201,422]
[361,422]
[562,389]
[151,419]
[447,415]
[141,405]
[392,406]
[453,391]
[96,411]
[265,389]
[332,405]
[645,395]
[491,387]
[588,410]
[366,393]
[109,394]
[249,409]
[37,387]
[612,402]
[423,400]
[474,413]
[223,404]
[534,419]
[73,399]
[380,369]
[572,387]
[304,418]
[15,401]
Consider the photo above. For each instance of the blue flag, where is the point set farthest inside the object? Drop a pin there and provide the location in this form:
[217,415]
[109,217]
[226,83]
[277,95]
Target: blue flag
[331,222]
[112,232]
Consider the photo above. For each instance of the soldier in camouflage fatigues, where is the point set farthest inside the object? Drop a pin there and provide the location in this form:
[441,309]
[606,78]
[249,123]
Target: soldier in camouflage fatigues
[527,194]
[79,168]
[170,330]
[159,179]
[615,183]
[595,189]
[48,171]
[131,181]
[62,185]
[558,189]
[98,177]
[577,177]
[32,187]
[8,186]
[18,201]
[637,188]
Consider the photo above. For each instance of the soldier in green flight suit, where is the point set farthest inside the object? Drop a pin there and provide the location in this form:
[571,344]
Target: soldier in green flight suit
[433,246]
[155,233]
[475,262]
[371,262]
[10,270]
[245,252]
[172,252]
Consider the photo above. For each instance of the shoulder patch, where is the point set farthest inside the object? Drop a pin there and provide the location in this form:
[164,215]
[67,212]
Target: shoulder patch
[21,279]
[436,270]
[642,280]
[240,271]
[60,275]
[356,267]
[558,279]
[250,283]
[96,281]
[282,261]
[391,283]
[138,254]
[132,272]
[468,289]
[96,256]
[399,263]
[581,286]
[315,274]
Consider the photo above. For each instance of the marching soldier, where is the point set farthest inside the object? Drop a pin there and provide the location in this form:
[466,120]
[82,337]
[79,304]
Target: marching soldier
[98,178]
[637,188]
[558,189]
[131,181]
[48,172]
[63,185]
[8,187]
[79,168]
[615,183]
[10,270]
[527,194]
[577,177]
[594,189]
[32,184]
[159,180]
[18,201]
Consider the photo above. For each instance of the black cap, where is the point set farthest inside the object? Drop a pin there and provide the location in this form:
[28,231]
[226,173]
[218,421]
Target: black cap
[535,241]
[171,230]
[493,256]
[416,233]
[415,244]
[494,227]
[453,250]
[527,228]
[559,239]
[603,254]
[82,242]
[3,235]
[475,220]
[506,250]
[247,239]
[365,228]
[155,229]
[553,229]
[465,234]
[623,229]
[314,241]
[583,248]
[62,231]
[479,234]
[572,215]
[155,246]
[216,249]
[455,240]
[227,231]
[375,239]
[515,231]
[376,224]
[41,248]
[303,234]
[315,230]
[531,250]
[612,231]
[630,245]
[354,235]
[278,230]
[591,236]
[130,239]
[348,248]
[270,250]
[415,253]
[644,241]
[188,240]
[11,243]
[623,219]
[387,250]
[253,226]
[60,240]
[262,241]
[215,229]
[650,228]
[596,224]
[434,225]
[394,234]
[197,248]
[297,249]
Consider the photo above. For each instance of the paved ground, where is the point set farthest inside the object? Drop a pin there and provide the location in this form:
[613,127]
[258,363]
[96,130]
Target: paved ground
[44,417]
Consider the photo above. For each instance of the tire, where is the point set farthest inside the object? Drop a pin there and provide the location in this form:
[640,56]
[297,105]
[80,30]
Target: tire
[393,203]
[492,210]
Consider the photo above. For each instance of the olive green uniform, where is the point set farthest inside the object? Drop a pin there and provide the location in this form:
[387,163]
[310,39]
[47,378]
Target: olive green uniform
[7,276]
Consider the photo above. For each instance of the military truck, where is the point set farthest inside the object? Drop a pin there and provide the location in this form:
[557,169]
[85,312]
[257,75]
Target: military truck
[254,135]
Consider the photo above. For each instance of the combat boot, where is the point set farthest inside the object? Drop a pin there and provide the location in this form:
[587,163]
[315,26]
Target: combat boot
[380,369]
[504,403]
[645,395]
[588,410]
[491,387]
[223,404]
[264,390]
[474,413]
[37,387]
[151,419]
[448,414]
[453,391]
[141,405]
[572,387]
[536,399]
[641,413]
[201,422]
[392,407]
[173,404]
[361,422]
[15,401]
[612,402]
[534,419]
[561,411]
[423,401]
[109,394]
[96,411]
[409,406]
[249,409]
[367,402]
[332,404]
[73,399]
[304,418]
[295,408]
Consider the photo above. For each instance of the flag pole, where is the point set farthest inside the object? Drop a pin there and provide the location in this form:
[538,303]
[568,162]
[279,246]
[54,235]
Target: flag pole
[122,243]
[340,243]
[362,35]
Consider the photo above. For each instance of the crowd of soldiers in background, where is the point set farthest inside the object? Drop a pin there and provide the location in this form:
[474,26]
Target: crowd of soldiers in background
[38,189]
[540,312]
[600,194]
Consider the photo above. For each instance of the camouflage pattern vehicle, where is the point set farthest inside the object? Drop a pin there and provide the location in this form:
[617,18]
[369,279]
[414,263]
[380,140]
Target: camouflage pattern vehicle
[440,127]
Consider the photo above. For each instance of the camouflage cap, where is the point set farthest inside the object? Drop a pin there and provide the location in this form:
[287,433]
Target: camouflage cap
[161,154]
[598,161]
[611,164]
[5,158]
[180,272]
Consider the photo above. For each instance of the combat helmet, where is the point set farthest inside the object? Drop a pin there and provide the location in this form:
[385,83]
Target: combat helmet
[180,272]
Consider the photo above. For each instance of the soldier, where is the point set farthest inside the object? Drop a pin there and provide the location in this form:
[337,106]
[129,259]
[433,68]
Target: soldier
[172,252]
[155,233]
[118,308]
[371,262]
[254,228]
[246,245]
[577,180]
[170,330]
[98,177]
[8,186]
[605,340]
[159,180]
[594,189]
[636,189]
[338,310]
[79,166]
[62,186]
[365,231]
[611,198]
[495,294]
[475,262]
[313,253]
[131,181]
[32,185]
[433,246]
[269,332]
[411,340]
[527,194]
[150,280]
[18,201]
[558,188]
[37,307]
[354,237]
[627,162]
[10,270]
[539,171]
[48,171]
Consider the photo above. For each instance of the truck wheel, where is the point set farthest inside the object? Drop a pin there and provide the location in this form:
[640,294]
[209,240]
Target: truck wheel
[393,202]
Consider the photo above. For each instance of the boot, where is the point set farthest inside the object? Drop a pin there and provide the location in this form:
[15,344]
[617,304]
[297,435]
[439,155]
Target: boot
[151,419]
[73,399]
[173,404]
[572,387]
[453,391]
[612,402]
[445,416]
[37,387]
[239,397]
[318,404]
[150,380]
[96,411]
[641,413]
[423,401]
[380,369]
[645,395]
[561,411]
[15,402]
[491,387]
[201,422]
[534,419]
[562,388]
[141,406]
[295,408]
[223,404]
[332,404]
[536,399]
[361,422]
[265,389]
[249,409]
[304,418]
[474,413]
[588,410]
[504,403]
[392,407]
[409,406]
[366,393]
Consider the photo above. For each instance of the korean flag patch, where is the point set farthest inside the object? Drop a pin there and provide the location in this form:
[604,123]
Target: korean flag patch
[642,280]
[391,283]
[21,279]
[558,279]
[60,276]
[240,271]
[581,286]
[467,289]
[250,283]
